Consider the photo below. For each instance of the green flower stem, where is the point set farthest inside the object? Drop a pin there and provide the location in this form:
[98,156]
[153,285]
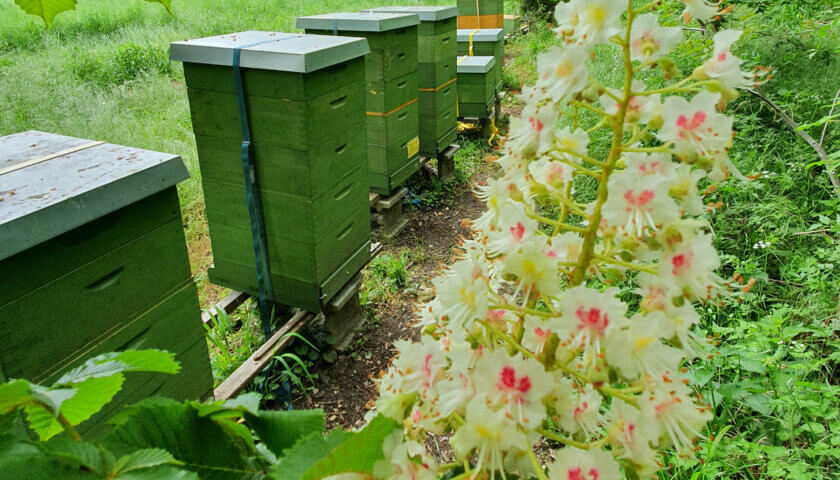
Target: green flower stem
[589,107]
[661,148]
[567,441]
[510,341]
[536,464]
[578,168]
[591,234]
[582,156]
[632,266]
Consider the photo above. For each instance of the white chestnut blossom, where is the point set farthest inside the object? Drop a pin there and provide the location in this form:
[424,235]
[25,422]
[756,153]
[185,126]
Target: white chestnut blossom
[523,344]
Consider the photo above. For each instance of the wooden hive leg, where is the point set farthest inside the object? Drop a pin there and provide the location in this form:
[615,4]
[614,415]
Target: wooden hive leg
[391,214]
[343,314]
[446,163]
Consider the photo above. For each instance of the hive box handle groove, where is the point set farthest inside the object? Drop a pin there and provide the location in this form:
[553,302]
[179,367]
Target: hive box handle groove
[344,232]
[343,193]
[402,84]
[341,149]
[136,342]
[403,115]
[106,281]
[338,102]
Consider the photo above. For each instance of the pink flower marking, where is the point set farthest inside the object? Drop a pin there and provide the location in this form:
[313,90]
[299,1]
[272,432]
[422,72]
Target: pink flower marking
[594,319]
[536,124]
[681,263]
[696,121]
[508,381]
[639,200]
[518,230]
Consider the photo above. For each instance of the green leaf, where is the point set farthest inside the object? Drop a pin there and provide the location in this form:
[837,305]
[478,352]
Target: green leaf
[167,4]
[13,394]
[315,456]
[159,473]
[146,458]
[46,9]
[201,442]
[21,460]
[306,452]
[279,430]
[128,361]
[91,395]
[358,454]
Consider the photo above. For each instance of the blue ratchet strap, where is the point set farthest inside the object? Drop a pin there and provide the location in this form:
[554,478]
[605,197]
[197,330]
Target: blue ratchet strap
[252,196]
[335,25]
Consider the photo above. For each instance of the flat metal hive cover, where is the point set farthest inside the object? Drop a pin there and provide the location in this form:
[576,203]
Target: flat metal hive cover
[481,34]
[43,195]
[426,14]
[358,21]
[467,64]
[285,52]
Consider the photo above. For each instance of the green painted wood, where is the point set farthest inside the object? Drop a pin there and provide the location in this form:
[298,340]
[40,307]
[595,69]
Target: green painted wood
[54,258]
[495,49]
[475,110]
[279,122]
[387,184]
[447,139]
[382,130]
[275,84]
[436,127]
[485,7]
[287,216]
[376,40]
[513,24]
[295,172]
[433,75]
[436,28]
[476,87]
[384,96]
[392,62]
[437,48]
[306,296]
[293,258]
[83,305]
[433,103]
[386,159]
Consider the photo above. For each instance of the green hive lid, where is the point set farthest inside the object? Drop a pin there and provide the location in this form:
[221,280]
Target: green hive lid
[358,21]
[481,34]
[43,195]
[467,64]
[426,14]
[285,52]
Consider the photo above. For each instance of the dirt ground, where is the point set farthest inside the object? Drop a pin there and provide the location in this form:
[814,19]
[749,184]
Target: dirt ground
[345,389]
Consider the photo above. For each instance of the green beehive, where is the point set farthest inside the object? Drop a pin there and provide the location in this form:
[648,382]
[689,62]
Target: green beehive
[93,259]
[476,88]
[485,42]
[480,7]
[391,80]
[306,108]
[437,50]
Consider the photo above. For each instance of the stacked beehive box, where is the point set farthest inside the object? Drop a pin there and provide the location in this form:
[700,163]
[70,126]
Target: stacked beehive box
[305,103]
[476,87]
[484,42]
[437,75]
[481,14]
[93,260]
[513,24]
[391,78]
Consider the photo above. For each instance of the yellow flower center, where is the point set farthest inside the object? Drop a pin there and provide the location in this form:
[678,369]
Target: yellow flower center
[597,13]
[565,69]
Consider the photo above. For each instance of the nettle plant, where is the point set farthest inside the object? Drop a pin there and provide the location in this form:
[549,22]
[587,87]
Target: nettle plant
[523,342]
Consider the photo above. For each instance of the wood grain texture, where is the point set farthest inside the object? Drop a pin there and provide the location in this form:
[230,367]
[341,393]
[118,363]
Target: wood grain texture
[385,96]
[382,130]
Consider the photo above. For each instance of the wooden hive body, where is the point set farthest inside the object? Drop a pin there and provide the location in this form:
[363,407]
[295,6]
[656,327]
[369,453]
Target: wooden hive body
[93,246]
[391,89]
[481,13]
[306,110]
[476,86]
[485,42]
[437,87]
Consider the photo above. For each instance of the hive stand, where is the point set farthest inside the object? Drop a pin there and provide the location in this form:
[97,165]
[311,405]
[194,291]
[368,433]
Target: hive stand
[305,100]
[437,77]
[389,212]
[391,77]
[93,260]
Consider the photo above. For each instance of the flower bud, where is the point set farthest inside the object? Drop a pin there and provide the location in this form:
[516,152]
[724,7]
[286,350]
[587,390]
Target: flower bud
[669,69]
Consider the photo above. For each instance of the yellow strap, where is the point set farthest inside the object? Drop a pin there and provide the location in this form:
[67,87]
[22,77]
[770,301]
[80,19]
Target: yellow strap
[379,114]
[477,14]
[494,129]
[35,161]
[471,35]
[438,88]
